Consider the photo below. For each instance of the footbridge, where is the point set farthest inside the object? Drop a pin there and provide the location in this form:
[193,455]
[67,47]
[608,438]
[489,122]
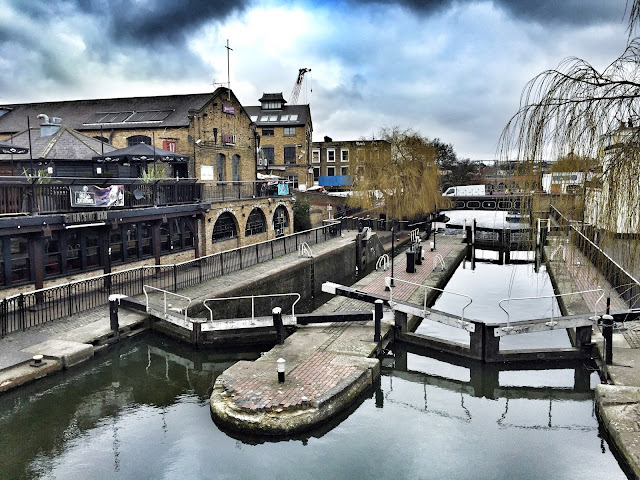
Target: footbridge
[485,335]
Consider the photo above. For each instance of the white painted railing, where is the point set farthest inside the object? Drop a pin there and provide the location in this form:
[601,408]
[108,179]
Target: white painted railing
[253,305]
[166,307]
[388,281]
[438,260]
[383,262]
[551,322]
[304,250]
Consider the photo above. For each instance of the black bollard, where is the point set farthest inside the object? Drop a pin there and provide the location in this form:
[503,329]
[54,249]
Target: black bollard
[113,313]
[277,322]
[607,333]
[418,253]
[377,320]
[411,261]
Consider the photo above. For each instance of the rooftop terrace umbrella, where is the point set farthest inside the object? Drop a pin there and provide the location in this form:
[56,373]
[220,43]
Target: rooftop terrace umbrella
[10,148]
[141,152]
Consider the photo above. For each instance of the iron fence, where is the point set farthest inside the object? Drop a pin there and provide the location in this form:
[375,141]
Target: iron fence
[622,281]
[25,310]
[23,196]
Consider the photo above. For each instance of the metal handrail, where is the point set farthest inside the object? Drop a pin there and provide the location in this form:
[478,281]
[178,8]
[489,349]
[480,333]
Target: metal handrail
[253,297]
[164,297]
[552,322]
[305,250]
[441,261]
[415,235]
[388,282]
[561,246]
[383,262]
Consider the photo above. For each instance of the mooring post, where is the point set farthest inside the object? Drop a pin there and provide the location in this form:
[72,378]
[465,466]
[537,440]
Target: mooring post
[113,313]
[607,333]
[377,320]
[277,322]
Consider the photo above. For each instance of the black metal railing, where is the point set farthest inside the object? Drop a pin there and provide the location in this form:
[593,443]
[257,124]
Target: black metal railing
[25,310]
[22,195]
[622,281]
[224,191]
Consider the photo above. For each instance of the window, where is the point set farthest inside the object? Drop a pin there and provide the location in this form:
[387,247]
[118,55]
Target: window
[293,118]
[316,174]
[256,223]
[135,139]
[289,131]
[284,118]
[254,118]
[267,132]
[52,259]
[149,116]
[344,155]
[235,168]
[271,105]
[273,118]
[269,154]
[331,171]
[115,245]
[331,155]
[315,156]
[20,266]
[224,228]
[280,220]
[289,155]
[74,263]
[220,160]
[264,118]
[292,180]
[344,170]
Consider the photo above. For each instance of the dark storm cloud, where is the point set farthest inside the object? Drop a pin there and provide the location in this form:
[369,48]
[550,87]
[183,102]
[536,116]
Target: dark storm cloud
[137,22]
[569,12]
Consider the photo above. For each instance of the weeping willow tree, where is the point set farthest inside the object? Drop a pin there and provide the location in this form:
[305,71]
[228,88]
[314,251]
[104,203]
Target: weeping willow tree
[576,111]
[399,175]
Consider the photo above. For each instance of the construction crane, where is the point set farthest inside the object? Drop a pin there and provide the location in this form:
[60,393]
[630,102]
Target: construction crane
[293,99]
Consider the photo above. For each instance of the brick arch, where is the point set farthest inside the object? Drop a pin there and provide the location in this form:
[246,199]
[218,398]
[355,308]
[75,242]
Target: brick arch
[280,220]
[256,222]
[226,227]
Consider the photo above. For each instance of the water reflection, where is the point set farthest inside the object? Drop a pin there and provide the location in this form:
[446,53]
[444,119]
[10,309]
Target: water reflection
[141,411]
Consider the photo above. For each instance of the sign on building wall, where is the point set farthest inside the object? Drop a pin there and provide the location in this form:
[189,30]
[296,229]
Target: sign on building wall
[230,109]
[206,172]
[92,196]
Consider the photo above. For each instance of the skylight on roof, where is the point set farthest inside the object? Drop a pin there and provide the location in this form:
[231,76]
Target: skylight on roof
[273,118]
[284,118]
[108,117]
[264,118]
[150,116]
[293,118]
[254,118]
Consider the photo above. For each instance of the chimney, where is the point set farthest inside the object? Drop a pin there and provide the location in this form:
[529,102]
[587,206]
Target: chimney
[49,125]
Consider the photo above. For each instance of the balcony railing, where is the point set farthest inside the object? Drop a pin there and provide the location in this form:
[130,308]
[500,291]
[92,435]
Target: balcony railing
[224,191]
[20,195]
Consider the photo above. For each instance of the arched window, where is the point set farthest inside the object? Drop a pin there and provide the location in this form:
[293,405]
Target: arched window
[135,139]
[280,220]
[256,223]
[224,228]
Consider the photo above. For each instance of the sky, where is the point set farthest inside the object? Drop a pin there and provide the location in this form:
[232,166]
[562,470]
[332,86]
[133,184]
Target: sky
[448,69]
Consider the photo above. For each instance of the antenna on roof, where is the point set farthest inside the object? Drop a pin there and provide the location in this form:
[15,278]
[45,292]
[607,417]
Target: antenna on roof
[228,75]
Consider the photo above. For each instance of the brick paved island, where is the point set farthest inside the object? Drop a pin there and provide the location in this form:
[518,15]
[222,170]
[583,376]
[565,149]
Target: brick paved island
[328,366]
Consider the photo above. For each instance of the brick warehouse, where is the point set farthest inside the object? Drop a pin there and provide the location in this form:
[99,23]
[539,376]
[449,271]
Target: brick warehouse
[44,240]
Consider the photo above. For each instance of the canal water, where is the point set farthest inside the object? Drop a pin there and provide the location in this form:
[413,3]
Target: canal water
[140,411]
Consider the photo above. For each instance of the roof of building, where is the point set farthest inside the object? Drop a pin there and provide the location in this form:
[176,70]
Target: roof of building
[110,113]
[65,144]
[288,115]
[268,97]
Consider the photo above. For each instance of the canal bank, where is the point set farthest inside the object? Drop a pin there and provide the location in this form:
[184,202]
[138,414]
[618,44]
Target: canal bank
[69,341]
[327,366]
[618,400]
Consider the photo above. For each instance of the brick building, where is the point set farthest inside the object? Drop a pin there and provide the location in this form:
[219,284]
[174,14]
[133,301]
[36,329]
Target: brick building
[285,138]
[336,163]
[213,129]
